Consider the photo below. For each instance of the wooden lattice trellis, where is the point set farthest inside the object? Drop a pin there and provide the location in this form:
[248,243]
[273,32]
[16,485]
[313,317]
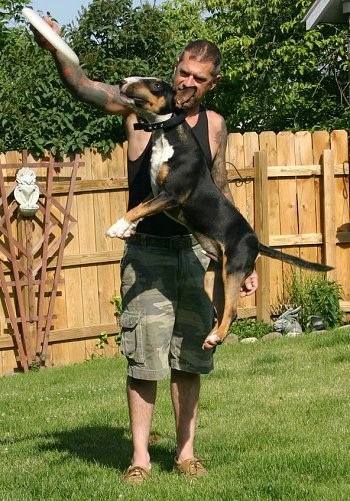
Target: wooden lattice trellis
[27,244]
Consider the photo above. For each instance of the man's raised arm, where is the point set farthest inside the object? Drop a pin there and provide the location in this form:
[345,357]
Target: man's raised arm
[98,94]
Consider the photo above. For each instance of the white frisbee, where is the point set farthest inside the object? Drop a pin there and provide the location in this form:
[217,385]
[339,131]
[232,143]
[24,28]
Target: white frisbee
[50,35]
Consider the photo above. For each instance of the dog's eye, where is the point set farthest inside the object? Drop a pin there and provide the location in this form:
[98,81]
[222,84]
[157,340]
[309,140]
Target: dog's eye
[157,86]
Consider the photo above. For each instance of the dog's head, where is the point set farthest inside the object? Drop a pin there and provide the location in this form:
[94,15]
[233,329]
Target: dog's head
[151,97]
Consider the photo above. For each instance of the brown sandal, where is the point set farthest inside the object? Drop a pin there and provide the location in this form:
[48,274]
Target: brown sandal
[192,467]
[136,474]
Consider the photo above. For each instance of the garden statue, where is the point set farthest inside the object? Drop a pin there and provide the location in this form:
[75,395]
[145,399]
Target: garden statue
[27,192]
[287,322]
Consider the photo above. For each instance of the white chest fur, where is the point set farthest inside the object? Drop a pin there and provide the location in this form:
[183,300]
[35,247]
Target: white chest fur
[161,152]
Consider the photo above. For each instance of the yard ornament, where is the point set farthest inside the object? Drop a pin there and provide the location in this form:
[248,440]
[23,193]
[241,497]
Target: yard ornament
[287,322]
[27,192]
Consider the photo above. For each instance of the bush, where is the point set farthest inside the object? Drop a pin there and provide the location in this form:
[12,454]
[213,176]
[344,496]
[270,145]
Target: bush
[316,295]
[249,327]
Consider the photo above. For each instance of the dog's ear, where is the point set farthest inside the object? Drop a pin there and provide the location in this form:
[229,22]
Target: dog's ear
[181,96]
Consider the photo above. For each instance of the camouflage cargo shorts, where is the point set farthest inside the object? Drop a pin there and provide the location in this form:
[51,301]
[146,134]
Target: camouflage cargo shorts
[166,313]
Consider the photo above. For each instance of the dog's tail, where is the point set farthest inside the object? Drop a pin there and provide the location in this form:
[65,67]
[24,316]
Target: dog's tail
[297,261]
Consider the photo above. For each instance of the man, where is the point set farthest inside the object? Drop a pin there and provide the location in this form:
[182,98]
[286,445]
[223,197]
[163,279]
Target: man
[166,313]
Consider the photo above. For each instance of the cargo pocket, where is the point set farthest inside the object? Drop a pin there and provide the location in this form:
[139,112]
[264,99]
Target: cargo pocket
[131,341]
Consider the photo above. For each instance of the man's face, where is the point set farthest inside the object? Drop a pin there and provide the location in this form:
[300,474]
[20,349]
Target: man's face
[194,73]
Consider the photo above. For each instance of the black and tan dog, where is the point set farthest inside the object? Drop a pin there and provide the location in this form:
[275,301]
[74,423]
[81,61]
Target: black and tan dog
[183,187]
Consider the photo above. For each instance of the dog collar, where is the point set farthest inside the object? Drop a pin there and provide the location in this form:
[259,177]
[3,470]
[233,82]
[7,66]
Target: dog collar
[177,119]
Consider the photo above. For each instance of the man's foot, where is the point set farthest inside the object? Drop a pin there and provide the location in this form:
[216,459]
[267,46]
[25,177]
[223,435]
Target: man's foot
[191,467]
[136,474]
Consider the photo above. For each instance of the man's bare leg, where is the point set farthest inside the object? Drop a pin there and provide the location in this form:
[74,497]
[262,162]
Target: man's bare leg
[141,400]
[185,389]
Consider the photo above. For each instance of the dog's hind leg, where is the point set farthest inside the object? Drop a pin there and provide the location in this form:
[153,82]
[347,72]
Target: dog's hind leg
[210,247]
[225,297]
[214,287]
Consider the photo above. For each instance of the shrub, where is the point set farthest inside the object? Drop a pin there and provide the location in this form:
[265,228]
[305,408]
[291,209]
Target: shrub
[316,295]
[249,327]
[117,301]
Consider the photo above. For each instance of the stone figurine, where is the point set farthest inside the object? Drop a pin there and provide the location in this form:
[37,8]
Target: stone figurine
[287,322]
[27,192]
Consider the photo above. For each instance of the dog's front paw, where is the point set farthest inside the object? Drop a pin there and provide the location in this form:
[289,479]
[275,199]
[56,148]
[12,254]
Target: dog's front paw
[121,229]
[211,341]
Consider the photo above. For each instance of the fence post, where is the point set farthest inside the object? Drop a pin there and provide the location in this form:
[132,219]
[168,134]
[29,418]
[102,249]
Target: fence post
[261,214]
[329,237]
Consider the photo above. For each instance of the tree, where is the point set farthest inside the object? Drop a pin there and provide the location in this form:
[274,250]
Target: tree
[113,40]
[9,10]
[277,75]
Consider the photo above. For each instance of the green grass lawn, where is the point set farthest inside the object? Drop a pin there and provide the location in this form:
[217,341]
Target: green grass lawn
[274,424]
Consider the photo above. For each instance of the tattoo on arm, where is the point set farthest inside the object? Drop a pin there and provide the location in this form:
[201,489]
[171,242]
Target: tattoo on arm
[218,171]
[92,92]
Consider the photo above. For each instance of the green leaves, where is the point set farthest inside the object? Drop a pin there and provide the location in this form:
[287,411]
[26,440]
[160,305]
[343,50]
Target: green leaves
[113,40]
[249,327]
[276,75]
[316,295]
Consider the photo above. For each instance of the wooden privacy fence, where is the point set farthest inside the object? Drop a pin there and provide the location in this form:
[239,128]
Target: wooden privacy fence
[292,188]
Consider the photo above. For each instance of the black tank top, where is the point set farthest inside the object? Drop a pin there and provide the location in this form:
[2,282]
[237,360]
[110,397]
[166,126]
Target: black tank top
[140,185]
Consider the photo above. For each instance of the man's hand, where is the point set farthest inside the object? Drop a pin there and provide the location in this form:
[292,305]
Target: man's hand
[250,285]
[40,40]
